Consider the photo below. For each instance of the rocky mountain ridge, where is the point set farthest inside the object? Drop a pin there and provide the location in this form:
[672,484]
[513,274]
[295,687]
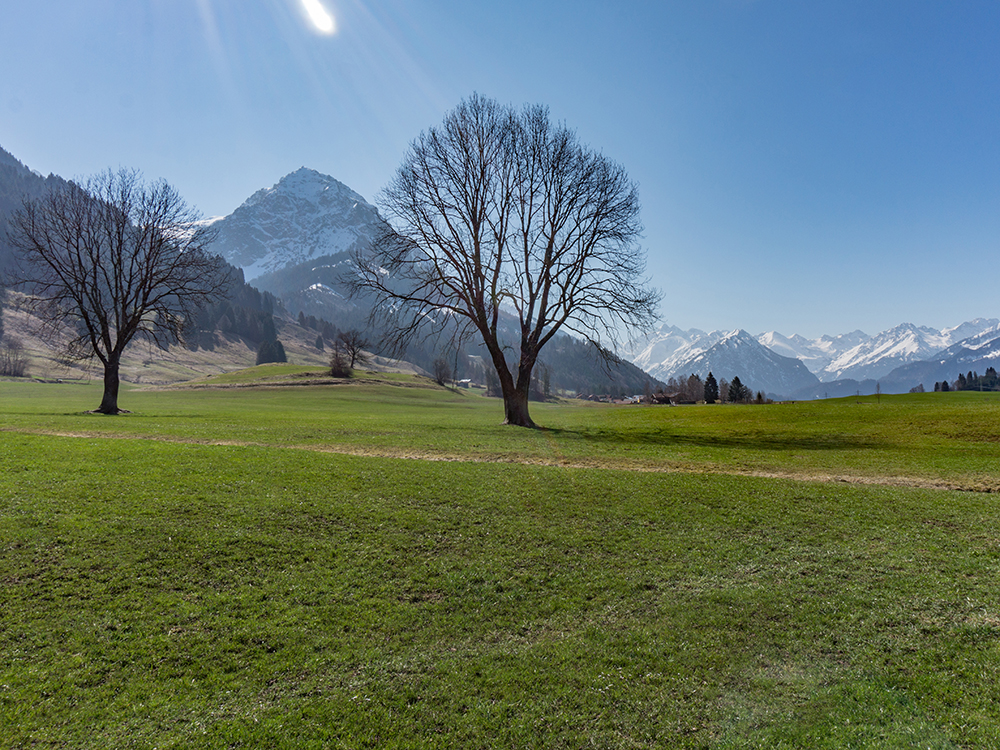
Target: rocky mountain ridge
[304,216]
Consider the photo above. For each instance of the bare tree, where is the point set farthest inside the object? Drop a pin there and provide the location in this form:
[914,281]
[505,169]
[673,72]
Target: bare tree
[501,219]
[114,259]
[339,364]
[353,345]
[442,371]
[13,361]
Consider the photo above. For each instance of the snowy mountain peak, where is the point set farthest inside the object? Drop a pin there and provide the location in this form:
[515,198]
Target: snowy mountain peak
[672,353]
[306,184]
[971,328]
[305,215]
[847,340]
[897,346]
[736,337]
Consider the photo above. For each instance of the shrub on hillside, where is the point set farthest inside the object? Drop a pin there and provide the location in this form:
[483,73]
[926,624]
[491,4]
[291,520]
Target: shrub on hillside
[340,365]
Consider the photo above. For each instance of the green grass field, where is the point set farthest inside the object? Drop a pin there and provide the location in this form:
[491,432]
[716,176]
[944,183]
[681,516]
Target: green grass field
[286,567]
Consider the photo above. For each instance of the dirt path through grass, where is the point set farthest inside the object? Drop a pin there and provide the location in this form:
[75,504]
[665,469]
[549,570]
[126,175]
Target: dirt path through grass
[607,463]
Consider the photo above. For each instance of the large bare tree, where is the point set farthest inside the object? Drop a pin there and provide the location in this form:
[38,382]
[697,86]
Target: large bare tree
[113,259]
[499,216]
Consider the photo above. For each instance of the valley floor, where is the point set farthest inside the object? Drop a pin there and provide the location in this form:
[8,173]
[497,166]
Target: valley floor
[260,567]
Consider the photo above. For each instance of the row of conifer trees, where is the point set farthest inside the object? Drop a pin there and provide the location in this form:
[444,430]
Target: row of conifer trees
[711,391]
[973,381]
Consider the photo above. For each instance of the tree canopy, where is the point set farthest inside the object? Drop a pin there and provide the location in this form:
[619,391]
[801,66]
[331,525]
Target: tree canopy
[503,226]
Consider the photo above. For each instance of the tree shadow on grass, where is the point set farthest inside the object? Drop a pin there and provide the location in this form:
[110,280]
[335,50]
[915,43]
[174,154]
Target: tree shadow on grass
[769,442]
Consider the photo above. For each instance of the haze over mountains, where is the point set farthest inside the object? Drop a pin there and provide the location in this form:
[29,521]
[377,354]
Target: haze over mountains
[295,239]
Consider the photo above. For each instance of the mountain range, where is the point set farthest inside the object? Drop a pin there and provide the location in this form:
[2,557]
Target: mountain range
[859,356]
[892,361]
[295,239]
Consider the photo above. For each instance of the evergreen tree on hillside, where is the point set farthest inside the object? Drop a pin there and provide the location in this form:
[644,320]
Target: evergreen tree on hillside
[269,331]
[711,389]
[271,351]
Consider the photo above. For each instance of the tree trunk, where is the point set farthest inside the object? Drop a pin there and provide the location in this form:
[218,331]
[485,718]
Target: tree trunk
[515,403]
[515,406]
[515,397]
[109,403]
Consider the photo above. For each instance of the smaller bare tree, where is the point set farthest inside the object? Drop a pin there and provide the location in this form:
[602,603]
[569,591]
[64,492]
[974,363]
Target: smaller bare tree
[442,371]
[13,361]
[340,366]
[111,260]
[354,344]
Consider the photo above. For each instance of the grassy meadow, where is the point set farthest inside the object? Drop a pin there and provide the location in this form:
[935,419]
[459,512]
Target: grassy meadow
[381,564]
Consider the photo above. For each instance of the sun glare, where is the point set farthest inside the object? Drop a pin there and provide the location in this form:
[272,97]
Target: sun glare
[319,16]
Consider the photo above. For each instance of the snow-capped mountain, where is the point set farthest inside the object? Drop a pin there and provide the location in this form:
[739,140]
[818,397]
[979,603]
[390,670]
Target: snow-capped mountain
[305,215]
[970,329]
[974,354]
[883,353]
[815,354]
[851,360]
[668,346]
[668,349]
[738,354]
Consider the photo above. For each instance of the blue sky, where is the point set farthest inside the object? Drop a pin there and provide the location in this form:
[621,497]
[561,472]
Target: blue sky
[806,167]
